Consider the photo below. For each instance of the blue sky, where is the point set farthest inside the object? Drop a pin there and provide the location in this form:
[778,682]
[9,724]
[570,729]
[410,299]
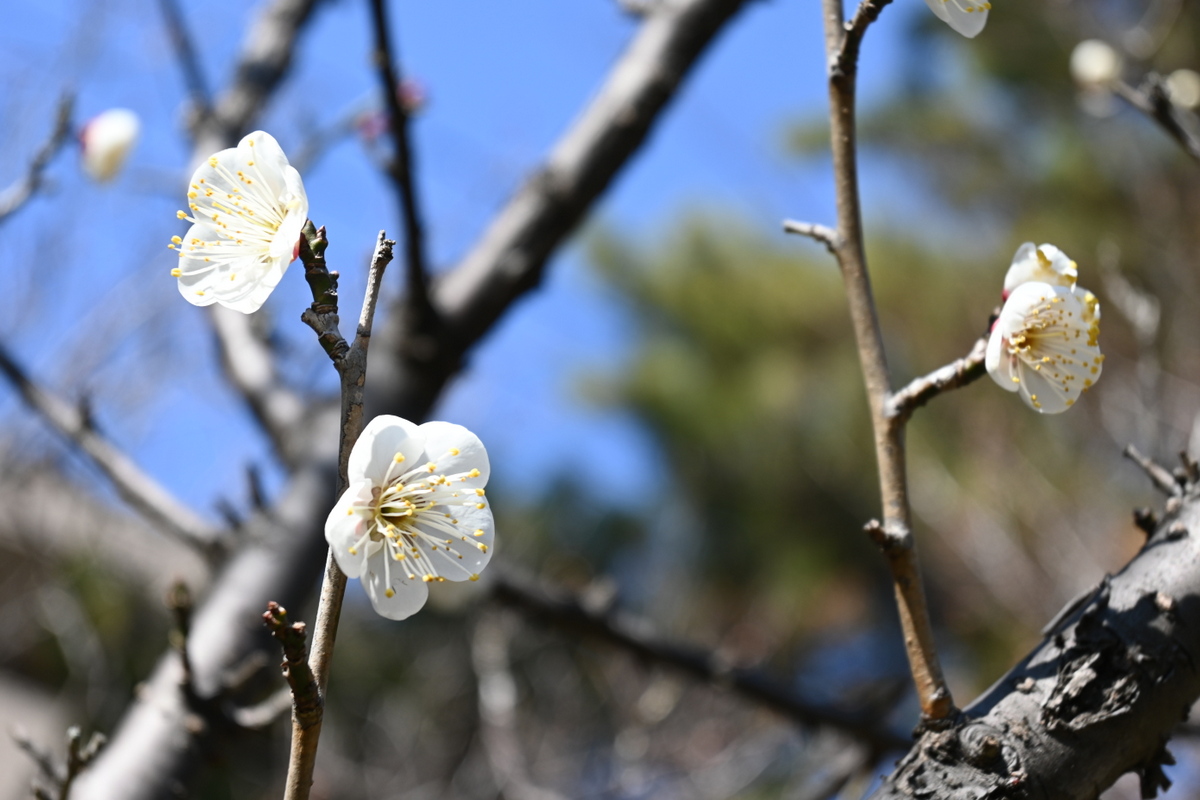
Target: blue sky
[98,312]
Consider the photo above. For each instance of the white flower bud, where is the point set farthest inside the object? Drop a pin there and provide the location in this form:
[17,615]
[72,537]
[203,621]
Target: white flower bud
[1183,88]
[1095,64]
[106,140]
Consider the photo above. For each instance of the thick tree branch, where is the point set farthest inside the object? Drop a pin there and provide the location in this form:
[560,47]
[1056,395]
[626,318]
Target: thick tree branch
[510,257]
[19,193]
[570,615]
[140,490]
[1098,697]
[842,42]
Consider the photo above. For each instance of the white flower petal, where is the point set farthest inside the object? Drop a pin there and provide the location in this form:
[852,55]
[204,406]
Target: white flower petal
[407,595]
[346,525]
[249,207]
[1049,339]
[966,17]
[374,454]
[998,362]
[1044,264]
[454,449]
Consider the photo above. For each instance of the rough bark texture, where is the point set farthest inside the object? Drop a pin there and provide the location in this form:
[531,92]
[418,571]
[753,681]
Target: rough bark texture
[1099,697]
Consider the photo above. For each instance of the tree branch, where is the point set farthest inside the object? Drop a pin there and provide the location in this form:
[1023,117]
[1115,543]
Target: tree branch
[140,490]
[189,64]
[1098,697]
[1151,99]
[842,44]
[22,191]
[968,369]
[570,615]
[400,170]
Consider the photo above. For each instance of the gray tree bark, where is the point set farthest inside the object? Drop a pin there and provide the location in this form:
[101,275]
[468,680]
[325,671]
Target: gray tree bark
[1115,674]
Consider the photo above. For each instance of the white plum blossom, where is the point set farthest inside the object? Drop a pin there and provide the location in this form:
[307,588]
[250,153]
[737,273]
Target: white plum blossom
[1095,64]
[1044,263]
[965,16]
[105,141]
[414,512]
[1045,345]
[248,207]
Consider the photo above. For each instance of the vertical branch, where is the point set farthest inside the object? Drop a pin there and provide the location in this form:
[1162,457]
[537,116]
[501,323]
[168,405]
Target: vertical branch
[400,169]
[193,74]
[351,364]
[842,42]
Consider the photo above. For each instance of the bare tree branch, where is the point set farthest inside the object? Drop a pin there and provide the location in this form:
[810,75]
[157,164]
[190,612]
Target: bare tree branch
[1098,697]
[818,233]
[13,198]
[189,63]
[968,369]
[571,615]
[842,42]
[140,490]
[400,170]
[1159,475]
[1151,99]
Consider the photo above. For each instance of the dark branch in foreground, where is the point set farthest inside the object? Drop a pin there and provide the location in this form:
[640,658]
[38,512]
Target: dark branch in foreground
[293,638]
[19,193]
[1151,99]
[570,615]
[60,777]
[1097,698]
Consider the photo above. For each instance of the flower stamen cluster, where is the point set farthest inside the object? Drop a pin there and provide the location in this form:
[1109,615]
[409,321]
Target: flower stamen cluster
[401,527]
[1045,343]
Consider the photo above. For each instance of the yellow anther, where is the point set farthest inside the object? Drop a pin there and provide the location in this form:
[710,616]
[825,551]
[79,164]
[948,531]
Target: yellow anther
[427,578]
[390,592]
[399,458]
[454,451]
[176,272]
[353,551]
[180,215]
[479,492]
[176,240]
[479,531]
[482,547]
[473,578]
[212,161]
[473,473]
[481,505]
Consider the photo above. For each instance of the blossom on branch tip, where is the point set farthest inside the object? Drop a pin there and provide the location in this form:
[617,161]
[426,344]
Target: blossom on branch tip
[248,207]
[1044,263]
[105,141]
[414,512]
[1045,344]
[965,16]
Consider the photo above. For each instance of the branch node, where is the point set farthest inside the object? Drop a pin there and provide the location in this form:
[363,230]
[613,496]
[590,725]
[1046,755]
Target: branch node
[307,704]
[1159,476]
[1146,521]
[818,233]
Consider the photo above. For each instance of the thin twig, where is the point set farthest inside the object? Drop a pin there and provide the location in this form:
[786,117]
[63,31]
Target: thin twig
[22,191]
[400,170]
[569,613]
[1151,99]
[351,364]
[293,638]
[141,491]
[820,233]
[189,63]
[179,601]
[900,405]
[1159,475]
[842,44]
